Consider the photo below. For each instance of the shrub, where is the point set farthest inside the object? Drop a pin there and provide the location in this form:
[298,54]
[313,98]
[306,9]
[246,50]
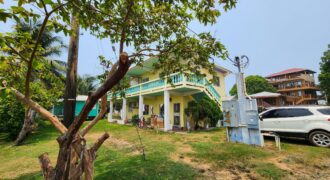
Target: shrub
[204,110]
[11,116]
[135,119]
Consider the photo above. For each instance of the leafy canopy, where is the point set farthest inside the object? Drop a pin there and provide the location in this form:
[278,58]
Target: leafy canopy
[254,84]
[324,76]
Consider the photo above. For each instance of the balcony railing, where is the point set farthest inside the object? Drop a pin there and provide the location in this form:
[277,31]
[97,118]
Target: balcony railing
[298,86]
[177,79]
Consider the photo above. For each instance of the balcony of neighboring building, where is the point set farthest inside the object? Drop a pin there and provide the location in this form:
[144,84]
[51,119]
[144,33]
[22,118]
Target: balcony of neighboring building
[290,78]
[296,86]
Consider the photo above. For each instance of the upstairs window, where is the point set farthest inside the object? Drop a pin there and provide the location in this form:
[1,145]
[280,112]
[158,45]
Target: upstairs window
[216,81]
[145,80]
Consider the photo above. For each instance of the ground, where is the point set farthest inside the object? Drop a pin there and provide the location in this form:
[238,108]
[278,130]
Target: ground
[197,155]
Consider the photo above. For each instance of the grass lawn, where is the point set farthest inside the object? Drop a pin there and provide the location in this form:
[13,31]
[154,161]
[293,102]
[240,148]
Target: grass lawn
[197,155]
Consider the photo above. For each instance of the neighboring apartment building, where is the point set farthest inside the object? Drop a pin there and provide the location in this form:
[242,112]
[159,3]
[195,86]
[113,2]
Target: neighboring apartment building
[150,96]
[297,85]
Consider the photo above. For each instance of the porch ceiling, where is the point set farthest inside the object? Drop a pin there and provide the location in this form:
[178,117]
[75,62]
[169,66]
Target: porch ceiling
[146,66]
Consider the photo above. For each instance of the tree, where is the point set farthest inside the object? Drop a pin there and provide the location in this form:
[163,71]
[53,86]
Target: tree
[43,85]
[86,84]
[324,76]
[254,84]
[71,75]
[205,110]
[151,28]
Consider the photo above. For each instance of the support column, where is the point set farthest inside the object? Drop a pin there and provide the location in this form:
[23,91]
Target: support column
[141,106]
[123,112]
[110,112]
[167,124]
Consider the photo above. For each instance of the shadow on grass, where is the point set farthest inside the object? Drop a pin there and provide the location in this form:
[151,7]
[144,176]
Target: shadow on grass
[115,165]
[44,133]
[30,176]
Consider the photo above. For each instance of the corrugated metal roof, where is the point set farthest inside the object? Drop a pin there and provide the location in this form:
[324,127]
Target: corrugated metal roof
[289,71]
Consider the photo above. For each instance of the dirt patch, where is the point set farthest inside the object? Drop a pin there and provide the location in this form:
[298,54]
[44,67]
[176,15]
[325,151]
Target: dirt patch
[207,170]
[116,143]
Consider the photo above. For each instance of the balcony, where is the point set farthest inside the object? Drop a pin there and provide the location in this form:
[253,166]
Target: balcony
[179,82]
[298,87]
[304,77]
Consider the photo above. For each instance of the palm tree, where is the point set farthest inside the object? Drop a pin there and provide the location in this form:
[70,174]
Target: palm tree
[52,45]
[85,84]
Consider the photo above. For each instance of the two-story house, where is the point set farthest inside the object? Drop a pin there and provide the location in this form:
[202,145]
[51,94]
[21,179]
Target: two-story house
[150,95]
[297,85]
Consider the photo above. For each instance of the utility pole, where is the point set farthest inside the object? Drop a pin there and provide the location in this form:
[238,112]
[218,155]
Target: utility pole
[241,115]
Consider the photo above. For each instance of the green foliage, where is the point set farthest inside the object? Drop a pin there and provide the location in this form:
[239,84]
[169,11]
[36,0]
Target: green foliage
[324,76]
[254,84]
[204,110]
[135,119]
[86,84]
[11,116]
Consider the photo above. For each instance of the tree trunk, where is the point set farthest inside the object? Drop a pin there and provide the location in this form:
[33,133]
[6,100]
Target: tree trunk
[71,75]
[27,126]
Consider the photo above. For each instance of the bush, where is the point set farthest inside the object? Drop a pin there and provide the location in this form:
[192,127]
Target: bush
[204,110]
[135,119]
[11,116]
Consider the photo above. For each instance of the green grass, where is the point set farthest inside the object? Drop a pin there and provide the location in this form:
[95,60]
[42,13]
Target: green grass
[168,156]
[270,171]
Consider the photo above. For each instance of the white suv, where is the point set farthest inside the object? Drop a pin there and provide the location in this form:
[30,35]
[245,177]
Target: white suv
[308,122]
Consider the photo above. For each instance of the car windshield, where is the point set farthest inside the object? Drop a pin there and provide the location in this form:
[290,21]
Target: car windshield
[325,111]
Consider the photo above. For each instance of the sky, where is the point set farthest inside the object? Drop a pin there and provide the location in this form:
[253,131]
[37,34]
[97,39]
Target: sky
[275,35]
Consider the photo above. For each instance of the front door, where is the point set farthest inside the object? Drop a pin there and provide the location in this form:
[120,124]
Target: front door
[176,113]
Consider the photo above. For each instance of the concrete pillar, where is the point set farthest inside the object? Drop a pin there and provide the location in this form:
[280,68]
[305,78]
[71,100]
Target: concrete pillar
[123,112]
[167,124]
[141,106]
[110,112]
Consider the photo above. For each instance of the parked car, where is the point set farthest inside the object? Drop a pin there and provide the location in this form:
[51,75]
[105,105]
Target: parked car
[309,122]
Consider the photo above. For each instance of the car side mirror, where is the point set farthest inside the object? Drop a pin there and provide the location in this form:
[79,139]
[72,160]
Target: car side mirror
[261,118]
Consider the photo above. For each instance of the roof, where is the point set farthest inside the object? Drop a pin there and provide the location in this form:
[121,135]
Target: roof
[290,71]
[147,66]
[265,95]
[78,98]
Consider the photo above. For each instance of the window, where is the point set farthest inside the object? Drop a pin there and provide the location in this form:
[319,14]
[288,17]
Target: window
[298,112]
[146,109]
[325,111]
[276,113]
[216,81]
[176,107]
[145,80]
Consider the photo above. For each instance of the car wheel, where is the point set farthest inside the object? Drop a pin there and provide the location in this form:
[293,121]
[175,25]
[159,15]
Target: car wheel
[320,138]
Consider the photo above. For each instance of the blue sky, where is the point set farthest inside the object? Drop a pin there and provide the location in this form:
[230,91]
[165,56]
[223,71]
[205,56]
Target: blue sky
[275,35]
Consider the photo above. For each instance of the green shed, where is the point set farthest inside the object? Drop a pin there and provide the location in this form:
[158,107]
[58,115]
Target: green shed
[80,102]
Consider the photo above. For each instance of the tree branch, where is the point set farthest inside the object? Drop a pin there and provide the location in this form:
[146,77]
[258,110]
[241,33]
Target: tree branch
[44,6]
[99,142]
[47,169]
[123,31]
[16,52]
[97,118]
[42,111]
[117,75]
